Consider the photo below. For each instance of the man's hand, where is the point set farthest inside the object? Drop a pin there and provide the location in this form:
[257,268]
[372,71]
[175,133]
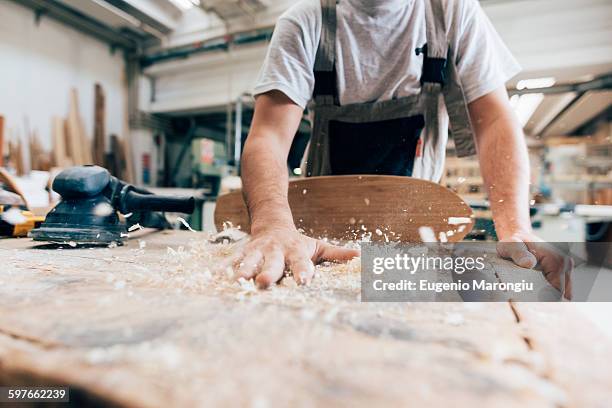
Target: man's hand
[272,251]
[529,251]
[504,164]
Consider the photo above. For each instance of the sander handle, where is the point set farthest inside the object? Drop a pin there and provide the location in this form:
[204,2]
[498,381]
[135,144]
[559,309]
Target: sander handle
[134,202]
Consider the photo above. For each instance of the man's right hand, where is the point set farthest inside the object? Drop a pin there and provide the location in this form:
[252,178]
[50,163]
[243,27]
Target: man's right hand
[275,243]
[273,250]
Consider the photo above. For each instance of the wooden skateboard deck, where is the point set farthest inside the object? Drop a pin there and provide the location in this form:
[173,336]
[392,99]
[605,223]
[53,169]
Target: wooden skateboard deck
[390,208]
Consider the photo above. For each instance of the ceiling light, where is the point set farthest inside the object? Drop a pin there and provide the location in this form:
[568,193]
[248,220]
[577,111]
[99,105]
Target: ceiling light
[535,83]
[185,4]
[526,105]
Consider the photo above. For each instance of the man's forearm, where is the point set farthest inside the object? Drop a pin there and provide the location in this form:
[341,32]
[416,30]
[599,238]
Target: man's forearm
[264,161]
[265,184]
[504,162]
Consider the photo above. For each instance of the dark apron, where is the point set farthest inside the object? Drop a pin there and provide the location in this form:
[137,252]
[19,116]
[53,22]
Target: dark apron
[385,147]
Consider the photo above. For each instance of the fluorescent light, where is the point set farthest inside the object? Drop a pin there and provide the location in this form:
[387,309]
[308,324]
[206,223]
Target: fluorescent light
[185,4]
[536,83]
[526,105]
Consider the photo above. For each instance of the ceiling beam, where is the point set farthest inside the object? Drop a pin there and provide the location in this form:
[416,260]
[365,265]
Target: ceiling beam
[146,14]
[581,112]
[79,22]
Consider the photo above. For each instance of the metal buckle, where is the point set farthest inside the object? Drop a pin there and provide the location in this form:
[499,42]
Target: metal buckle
[434,69]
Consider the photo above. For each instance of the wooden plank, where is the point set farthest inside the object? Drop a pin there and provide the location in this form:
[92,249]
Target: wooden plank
[340,207]
[40,159]
[60,155]
[34,146]
[75,147]
[16,157]
[130,173]
[79,145]
[84,318]
[86,143]
[117,161]
[1,140]
[99,147]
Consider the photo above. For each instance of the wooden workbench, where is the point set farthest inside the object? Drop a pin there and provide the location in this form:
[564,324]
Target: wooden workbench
[147,326]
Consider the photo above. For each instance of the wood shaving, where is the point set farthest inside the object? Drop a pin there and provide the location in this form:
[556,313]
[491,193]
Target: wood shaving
[185,224]
[427,234]
[135,227]
[459,220]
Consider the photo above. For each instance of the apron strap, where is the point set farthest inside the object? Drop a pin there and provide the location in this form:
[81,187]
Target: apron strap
[440,75]
[326,89]
[459,115]
[435,23]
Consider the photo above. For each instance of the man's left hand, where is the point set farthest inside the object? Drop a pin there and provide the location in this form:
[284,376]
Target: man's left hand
[529,251]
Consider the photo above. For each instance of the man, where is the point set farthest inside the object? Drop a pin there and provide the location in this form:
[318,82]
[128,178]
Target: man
[380,76]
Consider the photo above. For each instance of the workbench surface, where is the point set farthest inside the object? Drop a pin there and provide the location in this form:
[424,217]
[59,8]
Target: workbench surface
[147,326]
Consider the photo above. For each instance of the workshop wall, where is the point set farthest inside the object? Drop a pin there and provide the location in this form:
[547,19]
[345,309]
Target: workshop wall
[42,62]
[208,80]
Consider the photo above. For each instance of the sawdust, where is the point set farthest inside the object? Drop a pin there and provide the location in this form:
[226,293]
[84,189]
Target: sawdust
[204,266]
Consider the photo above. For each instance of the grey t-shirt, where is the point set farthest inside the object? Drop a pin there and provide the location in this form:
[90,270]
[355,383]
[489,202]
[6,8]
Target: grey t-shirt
[375,43]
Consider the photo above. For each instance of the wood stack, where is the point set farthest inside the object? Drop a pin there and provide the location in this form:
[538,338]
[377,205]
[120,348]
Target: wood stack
[72,147]
[70,144]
